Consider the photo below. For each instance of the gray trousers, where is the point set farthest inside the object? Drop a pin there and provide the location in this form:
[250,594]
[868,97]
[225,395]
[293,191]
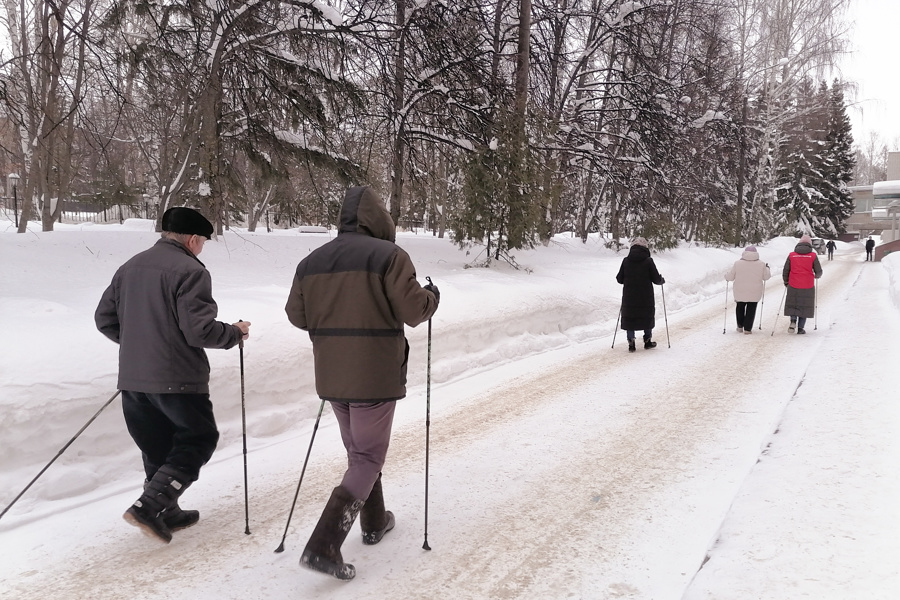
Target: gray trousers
[366,433]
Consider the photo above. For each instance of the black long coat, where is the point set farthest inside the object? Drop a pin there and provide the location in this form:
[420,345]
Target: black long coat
[637,275]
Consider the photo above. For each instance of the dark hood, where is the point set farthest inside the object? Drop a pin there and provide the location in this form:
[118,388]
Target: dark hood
[803,248]
[638,253]
[363,211]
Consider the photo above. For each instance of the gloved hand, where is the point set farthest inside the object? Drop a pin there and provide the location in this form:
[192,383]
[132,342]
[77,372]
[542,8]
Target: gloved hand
[662,280]
[434,290]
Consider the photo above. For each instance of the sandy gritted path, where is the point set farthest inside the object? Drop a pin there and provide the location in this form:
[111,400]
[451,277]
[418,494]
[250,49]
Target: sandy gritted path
[639,459]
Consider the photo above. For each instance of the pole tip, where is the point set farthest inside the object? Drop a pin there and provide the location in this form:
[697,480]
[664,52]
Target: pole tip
[280,547]
[425,546]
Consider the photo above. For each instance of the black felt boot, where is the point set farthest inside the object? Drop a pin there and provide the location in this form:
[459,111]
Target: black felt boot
[631,346]
[160,494]
[373,519]
[648,343]
[323,550]
[177,518]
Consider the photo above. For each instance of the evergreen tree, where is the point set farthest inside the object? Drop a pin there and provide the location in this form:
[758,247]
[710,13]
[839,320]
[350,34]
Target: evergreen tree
[840,163]
[800,177]
[496,206]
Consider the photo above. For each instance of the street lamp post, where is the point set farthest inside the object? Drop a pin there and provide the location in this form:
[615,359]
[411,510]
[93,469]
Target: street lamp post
[14,179]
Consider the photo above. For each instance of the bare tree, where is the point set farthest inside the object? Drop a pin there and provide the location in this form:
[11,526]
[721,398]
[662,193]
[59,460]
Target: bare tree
[43,94]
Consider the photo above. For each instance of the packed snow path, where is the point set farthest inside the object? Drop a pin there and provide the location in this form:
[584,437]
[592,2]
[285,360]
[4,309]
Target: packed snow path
[556,476]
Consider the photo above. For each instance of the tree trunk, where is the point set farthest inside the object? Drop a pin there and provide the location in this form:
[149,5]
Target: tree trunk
[397,150]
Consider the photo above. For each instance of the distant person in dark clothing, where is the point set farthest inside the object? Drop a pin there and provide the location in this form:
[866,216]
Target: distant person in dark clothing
[801,269]
[870,246]
[160,310]
[637,275]
[830,246]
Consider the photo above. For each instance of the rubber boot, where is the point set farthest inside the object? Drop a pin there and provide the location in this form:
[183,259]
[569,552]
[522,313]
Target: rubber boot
[323,550]
[160,494]
[373,519]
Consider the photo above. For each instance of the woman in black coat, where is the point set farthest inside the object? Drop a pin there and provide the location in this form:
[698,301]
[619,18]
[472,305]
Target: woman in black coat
[638,274]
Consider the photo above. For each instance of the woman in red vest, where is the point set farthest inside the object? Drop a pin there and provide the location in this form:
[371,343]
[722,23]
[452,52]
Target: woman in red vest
[801,269]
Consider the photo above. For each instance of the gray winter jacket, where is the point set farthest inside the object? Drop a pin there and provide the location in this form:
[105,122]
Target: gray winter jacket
[159,309]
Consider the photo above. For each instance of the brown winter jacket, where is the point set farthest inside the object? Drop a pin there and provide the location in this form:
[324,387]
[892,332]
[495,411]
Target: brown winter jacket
[353,296]
[160,310]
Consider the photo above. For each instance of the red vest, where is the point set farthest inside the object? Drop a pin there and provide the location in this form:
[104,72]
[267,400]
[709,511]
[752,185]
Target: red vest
[802,275]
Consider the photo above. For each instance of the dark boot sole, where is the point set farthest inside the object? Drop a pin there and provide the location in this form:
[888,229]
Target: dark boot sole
[146,528]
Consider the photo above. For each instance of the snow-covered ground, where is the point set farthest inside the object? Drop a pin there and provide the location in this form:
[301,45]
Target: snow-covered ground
[716,466]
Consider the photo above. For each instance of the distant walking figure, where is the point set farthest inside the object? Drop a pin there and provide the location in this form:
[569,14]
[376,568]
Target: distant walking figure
[870,246]
[749,275]
[830,246]
[637,275]
[801,269]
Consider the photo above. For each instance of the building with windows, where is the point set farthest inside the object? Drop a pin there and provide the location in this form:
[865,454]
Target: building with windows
[877,206]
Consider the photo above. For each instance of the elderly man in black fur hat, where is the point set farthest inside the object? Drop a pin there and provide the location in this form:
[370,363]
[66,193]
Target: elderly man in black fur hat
[160,310]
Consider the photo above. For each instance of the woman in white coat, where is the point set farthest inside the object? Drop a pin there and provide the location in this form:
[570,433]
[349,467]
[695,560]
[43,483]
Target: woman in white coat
[749,276]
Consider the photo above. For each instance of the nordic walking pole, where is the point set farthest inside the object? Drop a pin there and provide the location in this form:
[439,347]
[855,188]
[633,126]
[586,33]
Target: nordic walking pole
[778,313]
[816,303]
[616,330]
[244,433]
[58,454]
[725,322]
[665,315]
[425,546]
[280,547]
[762,306]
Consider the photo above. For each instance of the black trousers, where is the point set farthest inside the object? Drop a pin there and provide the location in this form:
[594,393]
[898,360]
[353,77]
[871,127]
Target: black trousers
[174,429]
[746,312]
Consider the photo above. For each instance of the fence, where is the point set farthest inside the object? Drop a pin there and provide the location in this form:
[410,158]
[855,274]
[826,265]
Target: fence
[81,212]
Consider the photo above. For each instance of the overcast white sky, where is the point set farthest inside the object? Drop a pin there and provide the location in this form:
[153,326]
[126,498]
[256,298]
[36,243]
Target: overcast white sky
[873,65]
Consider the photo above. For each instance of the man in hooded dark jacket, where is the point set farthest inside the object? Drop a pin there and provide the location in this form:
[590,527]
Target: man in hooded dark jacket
[637,275]
[353,295]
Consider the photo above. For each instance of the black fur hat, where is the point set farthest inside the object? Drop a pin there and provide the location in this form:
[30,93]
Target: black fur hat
[181,219]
